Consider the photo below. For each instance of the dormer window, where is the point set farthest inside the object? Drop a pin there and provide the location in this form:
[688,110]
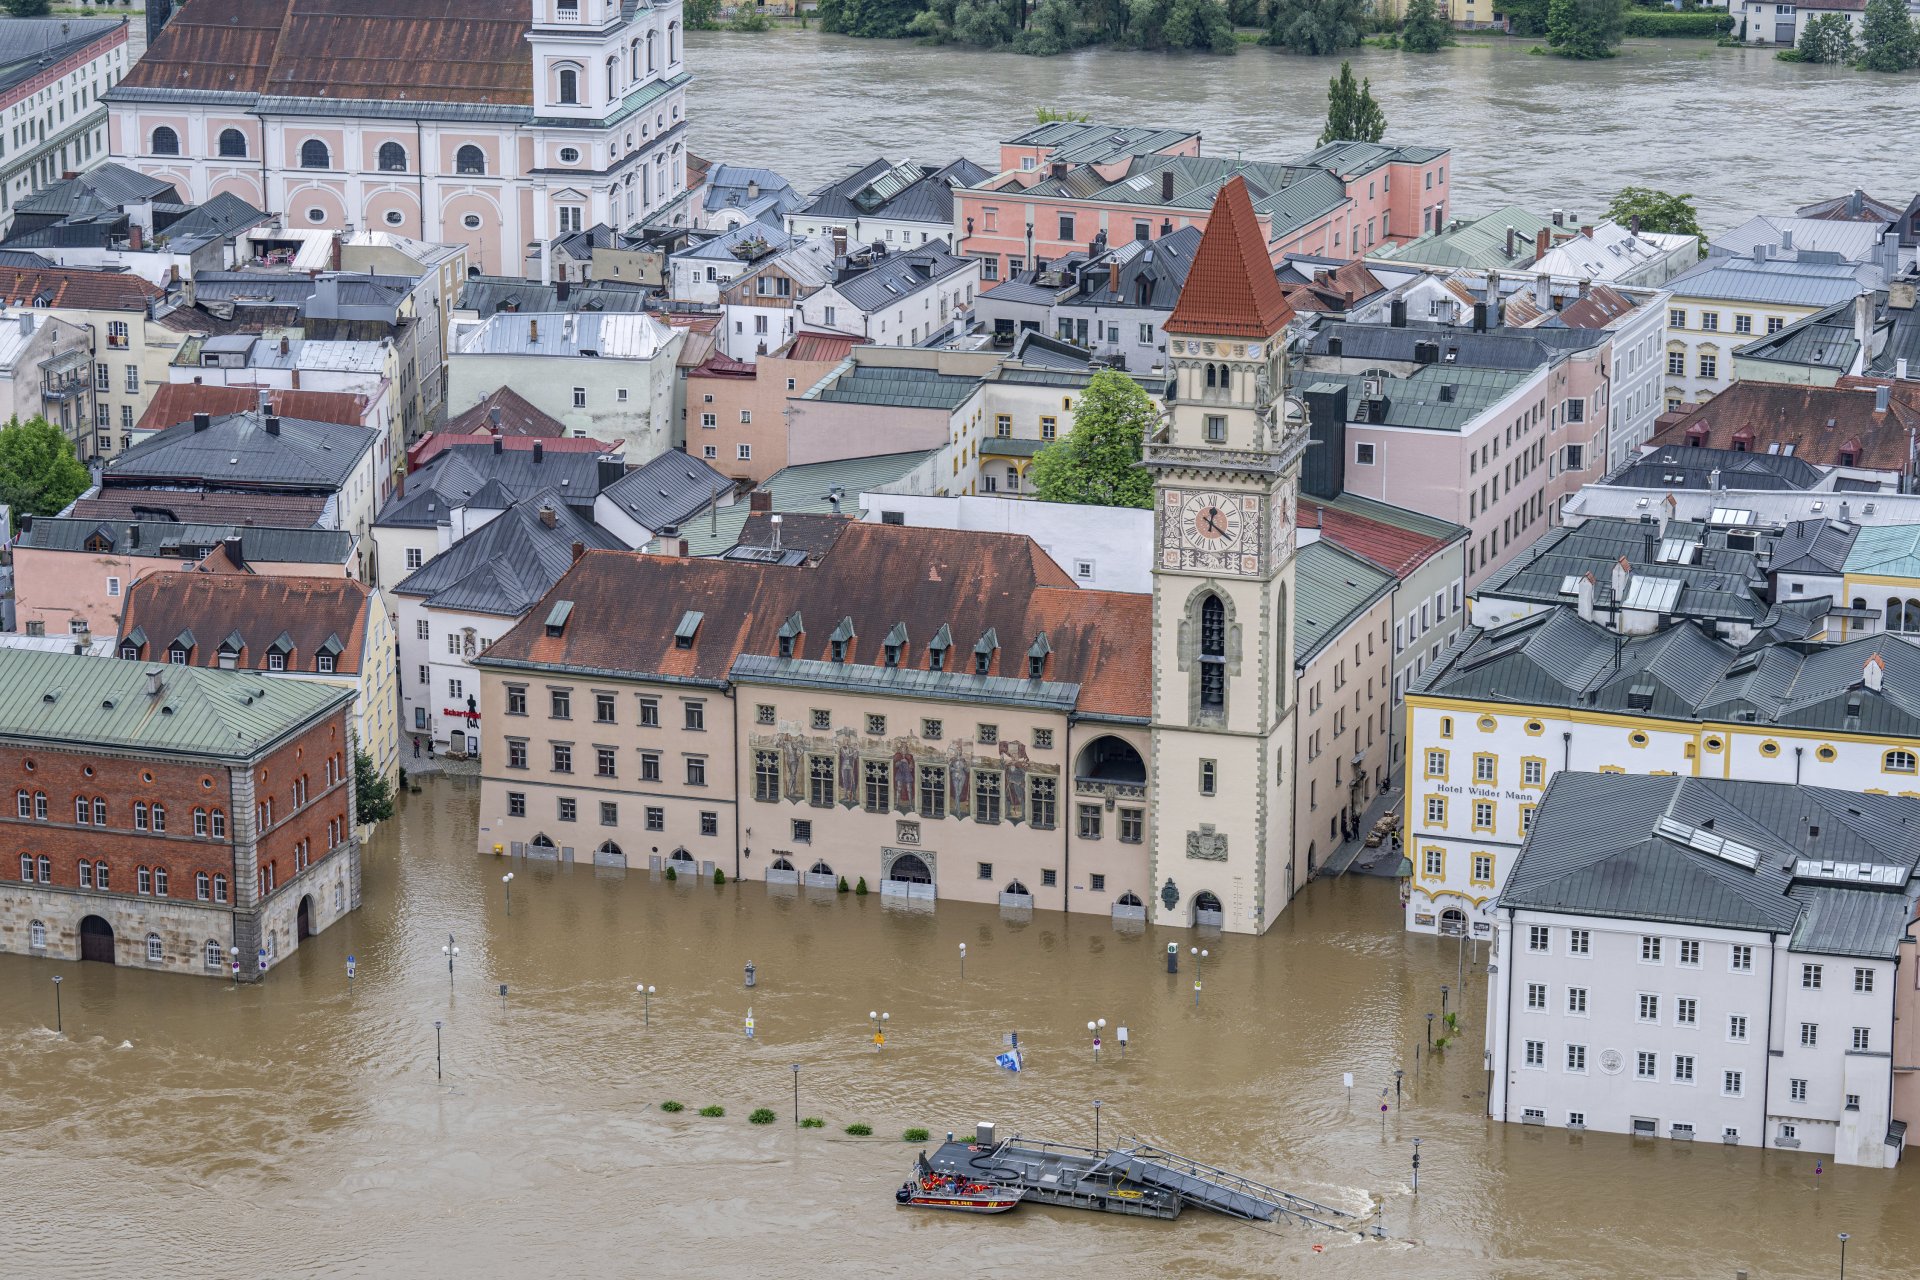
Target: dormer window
[936,659]
[895,643]
[325,663]
[837,642]
[276,661]
[838,649]
[893,655]
[556,624]
[790,632]
[1037,657]
[982,663]
[130,652]
[177,656]
[786,646]
[689,627]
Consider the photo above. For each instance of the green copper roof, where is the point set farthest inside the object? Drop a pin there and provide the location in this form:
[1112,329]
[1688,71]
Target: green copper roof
[1331,587]
[79,701]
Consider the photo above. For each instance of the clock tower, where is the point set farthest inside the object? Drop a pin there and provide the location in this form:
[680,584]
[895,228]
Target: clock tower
[1226,470]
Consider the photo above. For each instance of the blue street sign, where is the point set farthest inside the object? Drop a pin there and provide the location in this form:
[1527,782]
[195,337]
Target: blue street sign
[350,968]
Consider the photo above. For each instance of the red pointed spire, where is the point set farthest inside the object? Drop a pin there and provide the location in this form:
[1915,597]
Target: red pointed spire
[1231,292]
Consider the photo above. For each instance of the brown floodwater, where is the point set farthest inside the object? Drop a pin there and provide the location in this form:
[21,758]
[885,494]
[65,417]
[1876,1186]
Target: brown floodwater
[298,1127]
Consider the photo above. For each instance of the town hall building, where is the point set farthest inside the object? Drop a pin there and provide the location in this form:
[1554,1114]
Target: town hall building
[499,125]
[840,701]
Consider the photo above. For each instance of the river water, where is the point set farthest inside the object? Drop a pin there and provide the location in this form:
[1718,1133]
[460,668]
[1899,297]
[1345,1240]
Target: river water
[1742,132]
[298,1127]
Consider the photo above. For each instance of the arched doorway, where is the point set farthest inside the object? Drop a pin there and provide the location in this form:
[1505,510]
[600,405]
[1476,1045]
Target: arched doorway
[96,940]
[1207,910]
[682,857]
[909,869]
[1453,922]
[1129,899]
[781,864]
[304,921]
[609,854]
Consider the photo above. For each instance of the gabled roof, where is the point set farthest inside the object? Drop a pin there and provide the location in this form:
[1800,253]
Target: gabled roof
[667,491]
[1711,851]
[1332,588]
[508,563]
[1231,290]
[900,274]
[1394,538]
[1817,423]
[473,474]
[22,287]
[163,539]
[484,295]
[905,192]
[255,610]
[76,702]
[175,506]
[627,605]
[1683,571]
[28,46]
[1891,551]
[507,411]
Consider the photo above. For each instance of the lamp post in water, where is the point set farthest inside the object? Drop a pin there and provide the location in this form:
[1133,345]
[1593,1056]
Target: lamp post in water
[1096,1126]
[963,962]
[646,1004]
[878,1021]
[438,1074]
[59,1024]
[1844,1237]
[450,951]
[1199,955]
[796,1095]
[1094,1029]
[507,880]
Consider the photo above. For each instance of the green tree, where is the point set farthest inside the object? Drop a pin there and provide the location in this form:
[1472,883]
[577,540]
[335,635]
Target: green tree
[1425,31]
[749,19]
[1352,113]
[29,8]
[1053,27]
[1098,462]
[1827,38]
[1317,27]
[1585,28]
[1657,211]
[1059,115]
[372,791]
[700,14]
[39,471]
[1526,17]
[1888,41]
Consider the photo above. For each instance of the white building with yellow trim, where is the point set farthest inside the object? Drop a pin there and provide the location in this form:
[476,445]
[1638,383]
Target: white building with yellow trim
[1506,709]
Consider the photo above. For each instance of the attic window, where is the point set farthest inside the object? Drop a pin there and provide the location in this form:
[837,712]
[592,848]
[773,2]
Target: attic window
[896,642]
[177,656]
[838,649]
[1037,657]
[786,645]
[130,652]
[557,617]
[689,627]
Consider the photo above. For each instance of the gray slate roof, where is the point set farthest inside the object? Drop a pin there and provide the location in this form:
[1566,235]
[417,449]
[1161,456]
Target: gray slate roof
[1332,586]
[900,274]
[1803,284]
[29,46]
[1677,851]
[168,539]
[1555,659]
[235,449]
[507,564]
[1152,273]
[1716,582]
[907,192]
[484,295]
[473,476]
[1689,468]
[667,491]
[1500,348]
[855,383]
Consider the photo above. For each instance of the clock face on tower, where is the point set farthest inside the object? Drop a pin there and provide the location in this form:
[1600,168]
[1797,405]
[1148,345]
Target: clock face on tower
[1210,531]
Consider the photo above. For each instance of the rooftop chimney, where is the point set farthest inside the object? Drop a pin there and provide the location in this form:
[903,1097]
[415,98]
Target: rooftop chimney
[1542,243]
[155,684]
[1900,368]
[1397,313]
[1622,571]
[774,520]
[1900,294]
[273,426]
[493,416]
[562,289]
[539,452]
[1863,325]
[1583,594]
[1543,293]
[1479,317]
[499,445]
[1586,287]
[760,500]
[236,550]
[136,237]
[1786,240]
[1113,277]
[1633,224]
[549,517]
[753,188]
[1559,218]
[1510,236]
[201,421]
[1872,673]
[1882,394]
[579,549]
[1166,185]
[285,346]
[609,469]
[533,329]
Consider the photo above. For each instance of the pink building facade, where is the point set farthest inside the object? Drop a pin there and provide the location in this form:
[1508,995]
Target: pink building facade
[499,131]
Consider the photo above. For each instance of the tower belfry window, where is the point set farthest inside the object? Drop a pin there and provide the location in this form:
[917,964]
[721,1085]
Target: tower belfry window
[1213,654]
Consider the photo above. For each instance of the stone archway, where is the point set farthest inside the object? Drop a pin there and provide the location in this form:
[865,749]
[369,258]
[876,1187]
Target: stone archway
[96,940]
[1207,910]
[303,921]
[909,869]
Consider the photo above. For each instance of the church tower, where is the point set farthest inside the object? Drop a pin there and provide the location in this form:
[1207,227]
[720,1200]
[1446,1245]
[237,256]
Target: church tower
[1226,470]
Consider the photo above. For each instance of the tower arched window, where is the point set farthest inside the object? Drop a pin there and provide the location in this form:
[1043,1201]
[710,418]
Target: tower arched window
[392,158]
[1213,654]
[613,79]
[652,65]
[569,86]
[166,142]
[633,58]
[673,43]
[233,144]
[1211,376]
[314,155]
[470,159]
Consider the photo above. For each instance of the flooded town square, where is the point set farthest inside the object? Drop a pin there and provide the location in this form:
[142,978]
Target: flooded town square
[298,1126]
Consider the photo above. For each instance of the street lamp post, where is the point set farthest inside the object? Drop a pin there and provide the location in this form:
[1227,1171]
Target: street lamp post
[646,1004]
[1199,955]
[507,880]
[449,951]
[796,1095]
[1096,1126]
[878,1020]
[1398,1075]
[1094,1029]
[1844,1237]
[1416,1166]
[59,1024]
[233,958]
[963,962]
[438,1073]
[1429,1029]
[1444,992]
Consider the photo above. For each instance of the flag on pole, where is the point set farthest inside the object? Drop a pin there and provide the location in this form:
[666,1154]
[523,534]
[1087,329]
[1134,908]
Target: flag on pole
[1010,1060]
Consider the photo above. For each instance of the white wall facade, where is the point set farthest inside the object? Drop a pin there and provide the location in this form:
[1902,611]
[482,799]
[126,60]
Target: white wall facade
[1574,1003]
[435,672]
[1105,548]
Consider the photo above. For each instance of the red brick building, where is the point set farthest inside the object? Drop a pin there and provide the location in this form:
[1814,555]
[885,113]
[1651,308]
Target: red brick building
[171,818]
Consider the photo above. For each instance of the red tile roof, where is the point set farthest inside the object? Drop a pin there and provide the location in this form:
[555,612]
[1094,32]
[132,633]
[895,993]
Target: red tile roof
[1600,308]
[1817,421]
[517,418]
[1399,551]
[1336,291]
[824,347]
[177,402]
[626,607]
[215,605]
[73,287]
[419,50]
[1231,291]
